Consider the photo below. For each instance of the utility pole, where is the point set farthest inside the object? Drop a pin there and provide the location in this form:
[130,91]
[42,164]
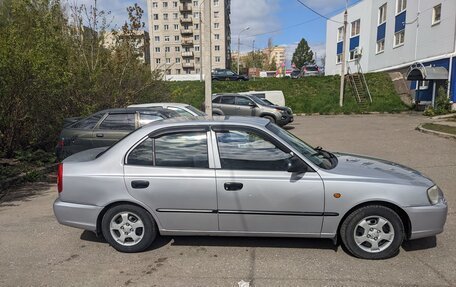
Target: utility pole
[201,41]
[342,72]
[207,58]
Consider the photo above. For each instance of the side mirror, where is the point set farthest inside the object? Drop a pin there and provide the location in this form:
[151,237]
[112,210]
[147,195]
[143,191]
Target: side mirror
[296,165]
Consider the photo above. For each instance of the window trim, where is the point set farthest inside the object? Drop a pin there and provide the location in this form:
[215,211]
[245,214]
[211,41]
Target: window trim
[396,8]
[376,46]
[351,28]
[394,42]
[433,15]
[379,14]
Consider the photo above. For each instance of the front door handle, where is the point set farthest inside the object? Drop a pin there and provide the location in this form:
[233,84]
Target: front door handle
[140,184]
[231,186]
[99,135]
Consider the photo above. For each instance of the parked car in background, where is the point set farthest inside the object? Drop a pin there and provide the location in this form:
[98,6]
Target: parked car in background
[310,70]
[182,109]
[295,74]
[227,75]
[243,177]
[249,105]
[106,127]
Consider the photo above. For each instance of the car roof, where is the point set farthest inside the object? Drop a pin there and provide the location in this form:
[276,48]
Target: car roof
[133,109]
[182,105]
[218,120]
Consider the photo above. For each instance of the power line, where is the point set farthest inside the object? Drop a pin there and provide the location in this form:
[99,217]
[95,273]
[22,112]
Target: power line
[316,12]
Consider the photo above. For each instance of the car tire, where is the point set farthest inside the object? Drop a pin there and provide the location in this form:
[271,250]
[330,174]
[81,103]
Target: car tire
[270,118]
[124,224]
[373,232]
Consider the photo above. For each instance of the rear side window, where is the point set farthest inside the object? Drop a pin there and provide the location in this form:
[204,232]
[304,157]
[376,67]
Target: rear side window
[118,122]
[187,149]
[228,100]
[217,100]
[182,150]
[88,123]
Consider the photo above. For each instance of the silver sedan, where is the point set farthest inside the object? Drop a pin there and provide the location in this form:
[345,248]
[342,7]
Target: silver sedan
[243,177]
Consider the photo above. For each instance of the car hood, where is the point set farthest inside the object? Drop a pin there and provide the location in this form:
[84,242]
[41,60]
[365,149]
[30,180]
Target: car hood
[373,169]
[281,108]
[86,155]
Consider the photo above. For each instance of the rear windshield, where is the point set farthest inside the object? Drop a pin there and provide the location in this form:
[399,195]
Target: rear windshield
[312,68]
[87,123]
[195,110]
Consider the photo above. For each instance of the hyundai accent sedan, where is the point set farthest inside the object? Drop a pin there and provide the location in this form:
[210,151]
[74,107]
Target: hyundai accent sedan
[239,176]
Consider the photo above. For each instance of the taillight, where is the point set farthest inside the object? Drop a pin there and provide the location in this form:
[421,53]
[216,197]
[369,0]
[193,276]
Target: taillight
[60,178]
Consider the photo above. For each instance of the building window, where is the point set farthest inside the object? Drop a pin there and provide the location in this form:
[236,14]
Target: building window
[399,38]
[155,4]
[355,28]
[401,5]
[157,49]
[166,38]
[422,85]
[217,36]
[177,49]
[157,38]
[167,49]
[216,3]
[382,14]
[436,14]
[216,25]
[217,59]
[197,37]
[174,4]
[176,38]
[166,27]
[178,60]
[216,14]
[380,46]
[178,71]
[197,26]
[176,27]
[197,48]
[155,16]
[158,61]
[195,3]
[354,54]
[217,47]
[340,34]
[196,15]
[175,16]
[165,16]
[156,27]
[168,61]
[339,59]
[165,4]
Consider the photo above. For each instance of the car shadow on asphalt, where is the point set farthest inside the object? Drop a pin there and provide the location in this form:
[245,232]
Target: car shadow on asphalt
[159,242]
[271,242]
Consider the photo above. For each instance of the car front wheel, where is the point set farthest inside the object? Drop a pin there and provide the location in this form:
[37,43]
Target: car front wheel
[128,228]
[373,232]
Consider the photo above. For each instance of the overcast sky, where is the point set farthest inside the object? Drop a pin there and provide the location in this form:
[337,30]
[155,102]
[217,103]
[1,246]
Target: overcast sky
[285,21]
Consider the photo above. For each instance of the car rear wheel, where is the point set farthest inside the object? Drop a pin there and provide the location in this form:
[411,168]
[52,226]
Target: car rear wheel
[373,232]
[270,118]
[128,228]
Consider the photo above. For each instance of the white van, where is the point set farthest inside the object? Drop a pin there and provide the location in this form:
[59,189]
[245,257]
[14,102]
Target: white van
[275,97]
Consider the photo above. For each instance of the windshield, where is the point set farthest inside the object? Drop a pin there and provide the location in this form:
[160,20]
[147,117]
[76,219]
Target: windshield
[196,111]
[259,101]
[314,155]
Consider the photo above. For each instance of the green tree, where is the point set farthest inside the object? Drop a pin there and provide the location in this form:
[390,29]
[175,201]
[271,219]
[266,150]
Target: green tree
[272,65]
[303,54]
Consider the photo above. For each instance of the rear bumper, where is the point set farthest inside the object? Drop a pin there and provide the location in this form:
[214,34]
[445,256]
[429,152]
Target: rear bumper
[77,215]
[427,220]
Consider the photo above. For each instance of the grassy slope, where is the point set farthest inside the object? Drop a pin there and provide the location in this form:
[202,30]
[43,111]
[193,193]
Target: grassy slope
[307,95]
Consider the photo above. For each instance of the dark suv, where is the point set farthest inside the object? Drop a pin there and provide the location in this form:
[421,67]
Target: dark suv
[249,105]
[227,75]
[106,127]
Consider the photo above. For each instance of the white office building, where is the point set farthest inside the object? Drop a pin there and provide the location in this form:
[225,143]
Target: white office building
[392,35]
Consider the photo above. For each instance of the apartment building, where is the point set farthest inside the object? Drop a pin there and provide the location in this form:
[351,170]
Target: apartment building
[393,35]
[175,36]
[140,40]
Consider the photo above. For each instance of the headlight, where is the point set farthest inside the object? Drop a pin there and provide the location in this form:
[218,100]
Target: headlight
[435,195]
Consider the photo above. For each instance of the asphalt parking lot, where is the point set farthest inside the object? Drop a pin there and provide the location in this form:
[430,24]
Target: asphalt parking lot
[37,251]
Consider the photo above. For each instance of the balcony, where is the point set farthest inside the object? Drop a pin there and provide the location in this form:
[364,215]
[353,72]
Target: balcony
[185,8]
[187,54]
[188,65]
[188,19]
[187,31]
[187,41]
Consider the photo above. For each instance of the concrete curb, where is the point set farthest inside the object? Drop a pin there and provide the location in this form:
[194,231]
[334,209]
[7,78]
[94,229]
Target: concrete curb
[440,134]
[443,116]
[11,181]
[354,114]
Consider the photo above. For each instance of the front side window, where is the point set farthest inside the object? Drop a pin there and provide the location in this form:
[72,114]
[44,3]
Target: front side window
[118,122]
[243,101]
[247,150]
[187,149]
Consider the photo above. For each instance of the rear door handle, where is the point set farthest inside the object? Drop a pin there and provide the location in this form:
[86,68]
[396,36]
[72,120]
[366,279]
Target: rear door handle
[233,186]
[99,135]
[140,184]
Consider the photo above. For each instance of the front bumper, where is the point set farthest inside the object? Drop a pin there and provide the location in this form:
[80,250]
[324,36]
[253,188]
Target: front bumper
[284,119]
[77,215]
[427,220]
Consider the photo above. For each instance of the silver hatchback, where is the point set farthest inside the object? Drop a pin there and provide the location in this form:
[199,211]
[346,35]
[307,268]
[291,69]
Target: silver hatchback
[238,176]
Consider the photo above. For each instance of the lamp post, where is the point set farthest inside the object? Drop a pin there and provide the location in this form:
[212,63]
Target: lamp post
[239,47]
